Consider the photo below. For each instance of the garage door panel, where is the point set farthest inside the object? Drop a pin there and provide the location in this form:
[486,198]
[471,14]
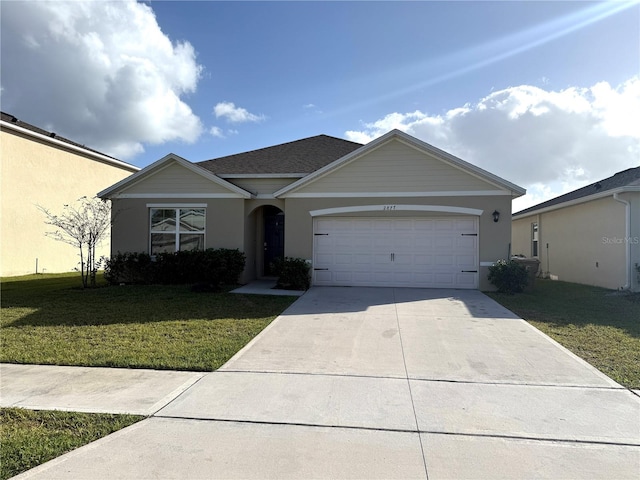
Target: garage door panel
[445,260]
[362,242]
[383,242]
[444,225]
[322,276]
[466,225]
[465,280]
[412,252]
[466,242]
[343,259]
[362,259]
[322,259]
[423,260]
[342,277]
[403,259]
[443,242]
[423,242]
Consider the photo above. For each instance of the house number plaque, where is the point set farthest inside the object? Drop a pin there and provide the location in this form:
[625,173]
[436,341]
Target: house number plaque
[389,207]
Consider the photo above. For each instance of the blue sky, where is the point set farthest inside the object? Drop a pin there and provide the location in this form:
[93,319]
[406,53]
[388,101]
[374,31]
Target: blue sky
[541,93]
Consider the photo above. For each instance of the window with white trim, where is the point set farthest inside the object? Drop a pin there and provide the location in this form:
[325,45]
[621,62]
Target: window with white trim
[534,239]
[176,229]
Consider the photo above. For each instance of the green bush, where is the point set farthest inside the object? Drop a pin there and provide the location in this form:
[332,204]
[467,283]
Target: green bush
[508,276]
[293,273]
[212,267]
[129,267]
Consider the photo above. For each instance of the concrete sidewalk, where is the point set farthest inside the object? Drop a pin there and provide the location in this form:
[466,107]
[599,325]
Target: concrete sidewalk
[93,390]
[380,383]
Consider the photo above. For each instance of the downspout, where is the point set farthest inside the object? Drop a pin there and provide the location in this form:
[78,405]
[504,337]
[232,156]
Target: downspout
[627,237]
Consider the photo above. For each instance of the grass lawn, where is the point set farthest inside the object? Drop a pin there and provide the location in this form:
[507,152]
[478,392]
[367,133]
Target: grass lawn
[29,438]
[601,326]
[49,319]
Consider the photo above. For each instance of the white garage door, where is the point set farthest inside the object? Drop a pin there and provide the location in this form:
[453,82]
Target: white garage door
[432,252]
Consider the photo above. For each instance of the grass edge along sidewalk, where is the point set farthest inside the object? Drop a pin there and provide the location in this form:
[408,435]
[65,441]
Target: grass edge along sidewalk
[29,438]
[600,326]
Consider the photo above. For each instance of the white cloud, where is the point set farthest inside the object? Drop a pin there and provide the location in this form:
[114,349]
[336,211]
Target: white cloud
[235,114]
[549,142]
[217,132]
[101,73]
[220,133]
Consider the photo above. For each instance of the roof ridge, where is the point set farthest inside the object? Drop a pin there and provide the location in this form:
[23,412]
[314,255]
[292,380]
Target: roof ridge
[278,145]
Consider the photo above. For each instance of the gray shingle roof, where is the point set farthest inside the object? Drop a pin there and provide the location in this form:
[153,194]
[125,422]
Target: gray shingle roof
[300,156]
[625,178]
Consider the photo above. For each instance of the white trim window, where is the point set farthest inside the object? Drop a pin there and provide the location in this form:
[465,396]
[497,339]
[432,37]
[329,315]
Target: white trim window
[168,235]
[534,239]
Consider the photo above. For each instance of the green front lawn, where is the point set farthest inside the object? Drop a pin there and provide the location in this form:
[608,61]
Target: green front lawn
[598,325]
[29,438]
[48,319]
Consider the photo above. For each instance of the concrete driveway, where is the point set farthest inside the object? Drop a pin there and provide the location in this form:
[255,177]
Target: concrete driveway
[383,383]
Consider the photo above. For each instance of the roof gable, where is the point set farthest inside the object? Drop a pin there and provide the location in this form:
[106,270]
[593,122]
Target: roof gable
[397,162]
[626,179]
[173,176]
[298,157]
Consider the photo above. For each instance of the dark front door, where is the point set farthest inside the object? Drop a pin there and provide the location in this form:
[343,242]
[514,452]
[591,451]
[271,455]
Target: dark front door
[273,237]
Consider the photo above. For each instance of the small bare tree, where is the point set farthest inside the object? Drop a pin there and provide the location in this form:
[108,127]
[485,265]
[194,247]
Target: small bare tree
[82,226]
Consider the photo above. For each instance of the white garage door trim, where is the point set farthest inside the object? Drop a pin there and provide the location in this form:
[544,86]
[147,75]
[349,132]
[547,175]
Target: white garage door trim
[397,208]
[421,251]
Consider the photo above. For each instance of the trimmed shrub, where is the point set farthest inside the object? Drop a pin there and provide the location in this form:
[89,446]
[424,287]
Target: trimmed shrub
[212,267]
[293,273]
[508,276]
[128,267]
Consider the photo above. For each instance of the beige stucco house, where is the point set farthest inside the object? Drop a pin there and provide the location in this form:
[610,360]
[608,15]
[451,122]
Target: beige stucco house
[589,236]
[394,212]
[41,168]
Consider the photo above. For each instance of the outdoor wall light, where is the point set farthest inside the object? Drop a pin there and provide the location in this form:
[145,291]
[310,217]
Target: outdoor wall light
[496,215]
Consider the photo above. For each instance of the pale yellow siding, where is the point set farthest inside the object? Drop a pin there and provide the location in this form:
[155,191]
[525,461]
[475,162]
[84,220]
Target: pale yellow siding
[175,179]
[396,167]
[35,172]
[583,243]
[261,186]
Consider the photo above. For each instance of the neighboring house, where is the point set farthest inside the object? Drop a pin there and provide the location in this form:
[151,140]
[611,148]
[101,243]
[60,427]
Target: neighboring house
[41,168]
[590,235]
[394,212]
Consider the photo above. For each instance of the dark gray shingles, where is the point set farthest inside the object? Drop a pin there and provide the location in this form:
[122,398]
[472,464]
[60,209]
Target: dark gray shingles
[301,156]
[625,178]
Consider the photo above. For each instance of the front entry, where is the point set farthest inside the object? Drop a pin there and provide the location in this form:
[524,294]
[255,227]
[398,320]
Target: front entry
[273,237]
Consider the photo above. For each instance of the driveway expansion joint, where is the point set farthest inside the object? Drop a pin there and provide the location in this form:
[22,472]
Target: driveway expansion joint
[402,430]
[520,384]
[312,374]
[406,371]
